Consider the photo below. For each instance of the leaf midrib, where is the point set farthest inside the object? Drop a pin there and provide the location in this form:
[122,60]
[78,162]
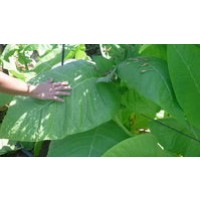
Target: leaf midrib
[188,67]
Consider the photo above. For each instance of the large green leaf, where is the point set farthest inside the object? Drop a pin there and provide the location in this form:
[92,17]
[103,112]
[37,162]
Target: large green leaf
[156,50]
[139,146]
[150,78]
[91,143]
[4,99]
[89,105]
[184,68]
[169,133]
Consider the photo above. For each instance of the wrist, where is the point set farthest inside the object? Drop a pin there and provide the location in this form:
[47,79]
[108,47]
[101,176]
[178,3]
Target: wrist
[30,90]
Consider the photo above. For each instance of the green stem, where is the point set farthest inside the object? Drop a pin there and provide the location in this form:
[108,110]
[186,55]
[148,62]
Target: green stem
[38,148]
[116,119]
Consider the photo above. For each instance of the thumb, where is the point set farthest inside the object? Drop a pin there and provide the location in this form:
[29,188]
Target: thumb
[50,80]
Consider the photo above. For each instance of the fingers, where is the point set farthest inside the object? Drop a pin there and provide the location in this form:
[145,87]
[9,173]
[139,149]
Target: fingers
[53,90]
[57,84]
[50,81]
[60,93]
[58,99]
[59,88]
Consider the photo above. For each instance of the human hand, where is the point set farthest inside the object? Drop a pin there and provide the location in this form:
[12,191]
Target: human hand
[50,90]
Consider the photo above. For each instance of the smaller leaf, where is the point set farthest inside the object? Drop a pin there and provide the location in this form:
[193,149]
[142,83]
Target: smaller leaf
[150,78]
[108,78]
[139,146]
[156,50]
[174,141]
[113,52]
[103,65]
[9,51]
[80,54]
[48,61]
[31,47]
[91,143]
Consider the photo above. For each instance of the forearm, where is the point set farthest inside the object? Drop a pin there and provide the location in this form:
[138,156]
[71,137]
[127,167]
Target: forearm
[47,90]
[10,85]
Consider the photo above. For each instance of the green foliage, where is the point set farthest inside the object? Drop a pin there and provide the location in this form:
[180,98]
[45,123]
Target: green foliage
[138,104]
[21,51]
[143,145]
[103,65]
[8,52]
[35,120]
[118,52]
[6,146]
[173,142]
[132,100]
[5,99]
[184,62]
[53,58]
[156,50]
[150,78]
[91,143]
[48,61]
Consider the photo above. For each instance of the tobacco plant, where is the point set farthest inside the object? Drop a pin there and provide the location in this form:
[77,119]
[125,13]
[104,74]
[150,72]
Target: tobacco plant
[132,100]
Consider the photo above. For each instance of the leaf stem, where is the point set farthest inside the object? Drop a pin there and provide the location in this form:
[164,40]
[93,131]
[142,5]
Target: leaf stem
[116,119]
[38,148]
